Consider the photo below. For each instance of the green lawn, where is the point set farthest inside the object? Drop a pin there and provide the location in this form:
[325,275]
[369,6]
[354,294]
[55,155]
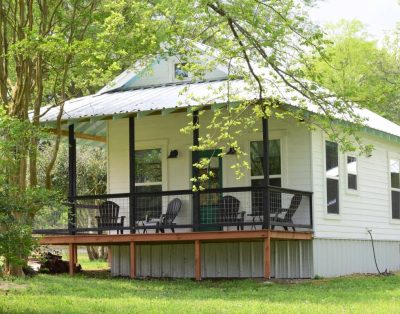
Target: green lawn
[87,293]
[87,264]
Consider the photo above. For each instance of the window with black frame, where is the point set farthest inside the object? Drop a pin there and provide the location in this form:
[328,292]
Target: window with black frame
[148,168]
[332,177]
[395,187]
[257,174]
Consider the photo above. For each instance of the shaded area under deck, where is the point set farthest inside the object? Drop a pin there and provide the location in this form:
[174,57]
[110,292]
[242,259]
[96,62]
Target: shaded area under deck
[196,238]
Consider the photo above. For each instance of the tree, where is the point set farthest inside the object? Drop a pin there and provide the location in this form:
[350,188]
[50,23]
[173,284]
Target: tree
[51,51]
[390,74]
[361,70]
[272,45]
[17,207]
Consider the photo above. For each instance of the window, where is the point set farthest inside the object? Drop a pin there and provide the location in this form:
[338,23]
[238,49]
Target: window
[351,172]
[395,187]
[332,177]
[257,172]
[148,169]
[180,73]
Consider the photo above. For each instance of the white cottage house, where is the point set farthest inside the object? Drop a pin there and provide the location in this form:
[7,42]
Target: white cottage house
[314,218]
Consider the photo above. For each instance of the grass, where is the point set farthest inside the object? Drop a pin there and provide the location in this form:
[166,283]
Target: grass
[87,264]
[87,293]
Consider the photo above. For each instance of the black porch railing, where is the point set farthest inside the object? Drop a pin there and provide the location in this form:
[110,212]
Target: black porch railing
[239,208]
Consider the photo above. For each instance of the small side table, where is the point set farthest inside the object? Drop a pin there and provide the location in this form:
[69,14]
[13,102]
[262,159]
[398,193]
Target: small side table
[254,217]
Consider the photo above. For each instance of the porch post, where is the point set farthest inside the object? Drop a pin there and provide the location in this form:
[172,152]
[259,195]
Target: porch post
[266,195]
[72,251]
[195,159]
[71,179]
[197,260]
[76,254]
[132,175]
[267,256]
[132,260]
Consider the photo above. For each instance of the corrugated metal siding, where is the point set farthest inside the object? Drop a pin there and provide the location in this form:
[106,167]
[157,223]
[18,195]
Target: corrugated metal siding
[335,257]
[289,259]
[233,259]
[165,260]
[119,265]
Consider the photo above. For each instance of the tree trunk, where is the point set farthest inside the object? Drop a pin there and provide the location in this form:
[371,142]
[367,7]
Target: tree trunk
[97,252]
[93,254]
[13,270]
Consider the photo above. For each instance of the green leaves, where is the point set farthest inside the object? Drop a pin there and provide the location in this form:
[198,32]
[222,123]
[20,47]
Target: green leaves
[359,70]
[16,241]
[18,203]
[273,47]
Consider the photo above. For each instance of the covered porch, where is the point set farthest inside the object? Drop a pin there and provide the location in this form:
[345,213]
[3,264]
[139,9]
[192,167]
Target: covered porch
[149,186]
[150,201]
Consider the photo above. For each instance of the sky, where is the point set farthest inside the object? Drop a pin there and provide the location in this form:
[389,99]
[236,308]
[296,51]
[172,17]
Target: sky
[378,15]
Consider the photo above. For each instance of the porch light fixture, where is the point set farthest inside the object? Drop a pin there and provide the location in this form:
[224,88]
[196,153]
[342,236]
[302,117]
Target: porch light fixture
[173,154]
[231,151]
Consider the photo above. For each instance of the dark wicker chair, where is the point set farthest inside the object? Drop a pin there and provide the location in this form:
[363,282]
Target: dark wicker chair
[228,212]
[166,220]
[284,215]
[108,218]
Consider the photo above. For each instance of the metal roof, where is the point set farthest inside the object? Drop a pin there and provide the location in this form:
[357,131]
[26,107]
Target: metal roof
[146,99]
[176,96]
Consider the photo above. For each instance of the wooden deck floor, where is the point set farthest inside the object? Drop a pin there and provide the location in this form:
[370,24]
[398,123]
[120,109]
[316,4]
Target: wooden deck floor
[195,237]
[89,239]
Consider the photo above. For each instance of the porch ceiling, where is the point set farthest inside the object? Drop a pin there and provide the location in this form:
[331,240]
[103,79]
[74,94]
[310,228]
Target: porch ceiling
[91,133]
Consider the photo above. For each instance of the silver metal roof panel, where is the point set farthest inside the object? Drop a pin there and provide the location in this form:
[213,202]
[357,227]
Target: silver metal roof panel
[187,95]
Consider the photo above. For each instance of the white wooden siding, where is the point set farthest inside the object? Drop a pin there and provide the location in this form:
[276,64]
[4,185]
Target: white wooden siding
[162,71]
[303,167]
[151,132]
[369,208]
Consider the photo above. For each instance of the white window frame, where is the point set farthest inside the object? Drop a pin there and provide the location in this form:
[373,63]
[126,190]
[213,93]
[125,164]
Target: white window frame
[162,172]
[390,158]
[348,190]
[326,177]
[160,144]
[271,176]
[273,135]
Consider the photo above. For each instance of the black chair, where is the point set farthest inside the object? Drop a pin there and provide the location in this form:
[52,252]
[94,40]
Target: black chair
[285,215]
[228,211]
[108,218]
[257,206]
[166,220]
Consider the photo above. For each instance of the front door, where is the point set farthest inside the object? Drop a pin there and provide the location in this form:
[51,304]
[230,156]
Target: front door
[209,201]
